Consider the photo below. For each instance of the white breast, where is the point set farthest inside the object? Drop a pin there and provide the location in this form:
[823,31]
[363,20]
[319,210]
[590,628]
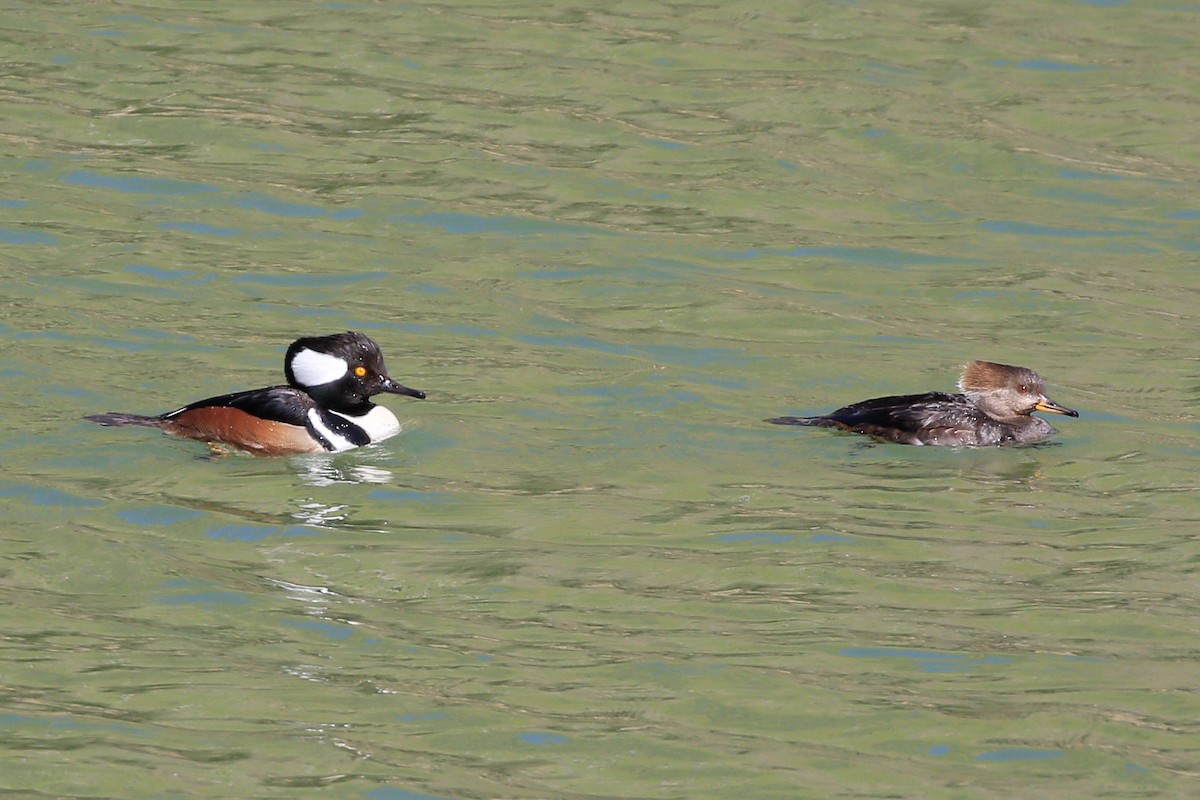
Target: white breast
[379,423]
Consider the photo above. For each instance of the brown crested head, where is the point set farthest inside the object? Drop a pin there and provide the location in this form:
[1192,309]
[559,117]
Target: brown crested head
[987,376]
[1003,391]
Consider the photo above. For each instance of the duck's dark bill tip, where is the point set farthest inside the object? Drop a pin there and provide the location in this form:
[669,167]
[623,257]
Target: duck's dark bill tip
[389,385]
[1054,408]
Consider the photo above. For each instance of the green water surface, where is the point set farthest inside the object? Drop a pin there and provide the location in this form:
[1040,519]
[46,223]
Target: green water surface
[607,240]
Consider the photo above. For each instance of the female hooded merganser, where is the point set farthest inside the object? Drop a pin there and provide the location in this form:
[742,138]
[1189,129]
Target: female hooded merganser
[995,408]
[325,406]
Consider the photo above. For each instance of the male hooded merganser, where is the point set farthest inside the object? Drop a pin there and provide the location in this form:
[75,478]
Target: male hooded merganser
[995,408]
[325,406]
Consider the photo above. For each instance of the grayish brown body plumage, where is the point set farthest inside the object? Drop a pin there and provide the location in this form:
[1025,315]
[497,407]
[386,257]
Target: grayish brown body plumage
[995,408]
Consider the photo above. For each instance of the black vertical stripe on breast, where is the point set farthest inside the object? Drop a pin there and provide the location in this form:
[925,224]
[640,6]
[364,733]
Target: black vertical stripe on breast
[341,426]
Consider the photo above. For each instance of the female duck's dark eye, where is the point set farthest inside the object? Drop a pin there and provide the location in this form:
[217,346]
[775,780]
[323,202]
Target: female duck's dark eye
[1023,389]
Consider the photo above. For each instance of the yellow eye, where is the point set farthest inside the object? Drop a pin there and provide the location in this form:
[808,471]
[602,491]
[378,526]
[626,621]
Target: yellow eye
[360,372]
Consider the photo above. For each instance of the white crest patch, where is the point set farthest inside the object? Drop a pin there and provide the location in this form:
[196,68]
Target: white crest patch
[311,368]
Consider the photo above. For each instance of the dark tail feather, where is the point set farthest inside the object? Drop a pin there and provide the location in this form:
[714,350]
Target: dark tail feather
[116,419]
[816,422]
